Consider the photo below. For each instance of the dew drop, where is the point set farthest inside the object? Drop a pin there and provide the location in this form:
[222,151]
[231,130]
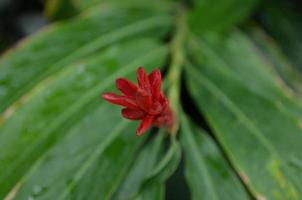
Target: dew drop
[81,68]
[37,189]
[30,198]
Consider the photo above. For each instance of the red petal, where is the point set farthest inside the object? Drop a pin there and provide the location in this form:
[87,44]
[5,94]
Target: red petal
[144,100]
[132,114]
[155,82]
[126,87]
[155,74]
[163,100]
[120,100]
[166,118]
[142,79]
[152,75]
[159,121]
[155,109]
[144,125]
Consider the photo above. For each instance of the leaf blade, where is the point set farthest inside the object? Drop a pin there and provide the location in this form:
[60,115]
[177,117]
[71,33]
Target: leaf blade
[238,123]
[207,173]
[219,15]
[68,42]
[35,134]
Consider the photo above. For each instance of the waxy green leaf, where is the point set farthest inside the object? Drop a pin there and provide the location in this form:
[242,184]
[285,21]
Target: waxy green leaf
[207,172]
[281,64]
[219,15]
[165,167]
[251,129]
[235,54]
[156,191]
[84,159]
[57,104]
[58,46]
[142,166]
[82,5]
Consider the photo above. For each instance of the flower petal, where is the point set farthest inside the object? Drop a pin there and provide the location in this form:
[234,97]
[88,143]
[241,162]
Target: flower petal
[120,100]
[144,100]
[156,108]
[143,80]
[155,82]
[163,100]
[132,114]
[144,125]
[166,118]
[153,75]
[126,87]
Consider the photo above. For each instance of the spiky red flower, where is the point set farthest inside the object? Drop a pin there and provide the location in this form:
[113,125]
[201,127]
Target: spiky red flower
[145,102]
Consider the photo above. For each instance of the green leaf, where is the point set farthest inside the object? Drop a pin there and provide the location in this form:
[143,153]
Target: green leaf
[51,50]
[207,173]
[90,152]
[82,5]
[143,165]
[164,169]
[274,55]
[166,166]
[59,103]
[219,15]
[252,130]
[146,180]
[236,55]
[155,191]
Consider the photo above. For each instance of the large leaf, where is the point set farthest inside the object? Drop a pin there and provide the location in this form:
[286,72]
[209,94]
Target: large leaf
[252,130]
[143,165]
[154,192]
[61,44]
[274,55]
[90,152]
[152,186]
[57,104]
[166,166]
[81,5]
[147,160]
[219,15]
[207,172]
[235,54]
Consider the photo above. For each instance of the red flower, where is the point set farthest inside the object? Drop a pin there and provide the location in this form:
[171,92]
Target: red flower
[145,102]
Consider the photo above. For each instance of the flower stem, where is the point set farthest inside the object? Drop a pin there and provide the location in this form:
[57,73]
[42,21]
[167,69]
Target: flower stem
[177,61]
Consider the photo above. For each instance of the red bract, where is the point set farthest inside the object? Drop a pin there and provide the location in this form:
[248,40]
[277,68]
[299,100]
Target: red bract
[145,102]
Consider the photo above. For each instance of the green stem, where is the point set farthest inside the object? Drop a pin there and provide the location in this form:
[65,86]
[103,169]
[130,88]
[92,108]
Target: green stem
[178,59]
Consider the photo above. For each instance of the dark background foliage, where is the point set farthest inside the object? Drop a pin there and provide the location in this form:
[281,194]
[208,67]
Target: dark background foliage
[19,18]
